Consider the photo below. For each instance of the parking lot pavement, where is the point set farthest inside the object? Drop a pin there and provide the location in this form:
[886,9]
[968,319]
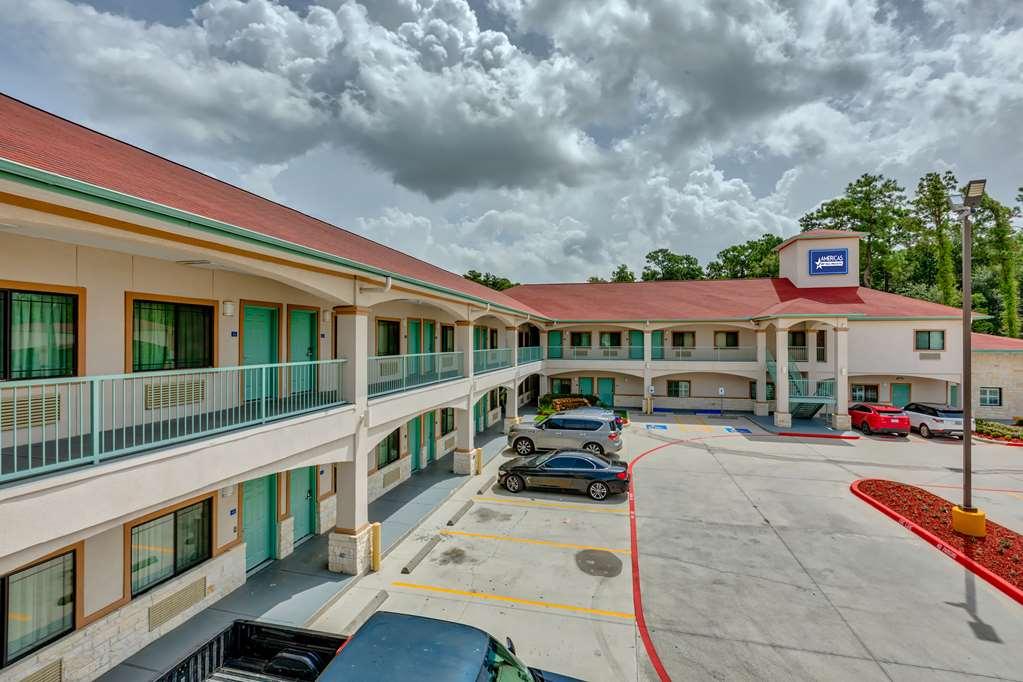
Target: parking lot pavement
[757,563]
[551,571]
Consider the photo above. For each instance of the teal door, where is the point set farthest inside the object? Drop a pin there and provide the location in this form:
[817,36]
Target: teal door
[302,348]
[259,347]
[554,345]
[429,426]
[953,395]
[259,514]
[415,443]
[657,346]
[606,391]
[429,345]
[635,344]
[586,385]
[303,496]
[900,395]
[414,346]
[479,412]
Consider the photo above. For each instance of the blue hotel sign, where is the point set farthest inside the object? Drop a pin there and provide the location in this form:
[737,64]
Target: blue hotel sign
[829,261]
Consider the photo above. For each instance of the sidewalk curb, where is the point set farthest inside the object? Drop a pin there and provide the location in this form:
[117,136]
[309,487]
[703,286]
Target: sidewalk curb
[804,434]
[994,441]
[951,552]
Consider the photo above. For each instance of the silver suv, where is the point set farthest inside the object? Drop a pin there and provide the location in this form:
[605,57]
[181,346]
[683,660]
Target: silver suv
[566,431]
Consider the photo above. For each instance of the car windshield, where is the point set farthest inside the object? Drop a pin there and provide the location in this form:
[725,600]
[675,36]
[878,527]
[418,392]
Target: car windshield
[500,665]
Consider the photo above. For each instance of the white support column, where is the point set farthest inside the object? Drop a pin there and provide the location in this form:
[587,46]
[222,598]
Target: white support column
[760,405]
[782,416]
[463,344]
[841,420]
[648,382]
[348,547]
[545,385]
[543,344]
[466,452]
[511,406]
[512,341]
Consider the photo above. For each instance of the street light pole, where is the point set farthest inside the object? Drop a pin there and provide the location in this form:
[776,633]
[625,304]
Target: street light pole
[967,387]
[967,519]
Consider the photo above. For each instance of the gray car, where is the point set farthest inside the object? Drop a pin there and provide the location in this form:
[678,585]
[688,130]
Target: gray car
[565,431]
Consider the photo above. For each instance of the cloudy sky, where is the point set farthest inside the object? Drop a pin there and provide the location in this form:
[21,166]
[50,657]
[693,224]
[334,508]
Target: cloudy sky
[546,140]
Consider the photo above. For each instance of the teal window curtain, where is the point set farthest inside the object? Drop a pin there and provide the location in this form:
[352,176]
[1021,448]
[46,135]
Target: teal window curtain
[610,339]
[389,449]
[930,340]
[42,334]
[561,386]
[171,336]
[388,337]
[580,339]
[40,605]
[169,545]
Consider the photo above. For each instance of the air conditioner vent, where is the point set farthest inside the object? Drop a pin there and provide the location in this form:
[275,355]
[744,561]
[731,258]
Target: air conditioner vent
[54,672]
[37,410]
[930,356]
[177,603]
[391,477]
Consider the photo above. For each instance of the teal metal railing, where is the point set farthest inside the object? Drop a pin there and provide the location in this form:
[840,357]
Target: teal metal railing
[598,353]
[395,373]
[53,424]
[712,354]
[529,354]
[800,389]
[491,359]
[798,354]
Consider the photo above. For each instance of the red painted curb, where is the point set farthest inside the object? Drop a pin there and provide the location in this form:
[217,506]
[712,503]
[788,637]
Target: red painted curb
[951,552]
[800,434]
[995,441]
[637,593]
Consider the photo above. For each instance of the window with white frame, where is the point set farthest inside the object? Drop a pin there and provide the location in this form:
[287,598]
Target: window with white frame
[678,389]
[990,396]
[863,393]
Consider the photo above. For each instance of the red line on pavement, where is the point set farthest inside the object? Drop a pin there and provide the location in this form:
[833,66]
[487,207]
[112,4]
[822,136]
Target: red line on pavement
[637,592]
[959,487]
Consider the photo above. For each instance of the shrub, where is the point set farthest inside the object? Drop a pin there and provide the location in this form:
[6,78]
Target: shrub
[547,401]
[999,430]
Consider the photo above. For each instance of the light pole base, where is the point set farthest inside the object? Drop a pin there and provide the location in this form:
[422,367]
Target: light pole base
[971,523]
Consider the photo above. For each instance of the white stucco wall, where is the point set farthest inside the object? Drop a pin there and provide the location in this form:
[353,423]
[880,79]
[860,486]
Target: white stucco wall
[794,262]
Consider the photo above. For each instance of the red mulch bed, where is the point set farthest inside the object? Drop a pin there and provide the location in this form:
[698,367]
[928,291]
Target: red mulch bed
[1001,551]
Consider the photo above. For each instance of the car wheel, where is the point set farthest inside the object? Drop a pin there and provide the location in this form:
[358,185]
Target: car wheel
[524,446]
[514,483]
[865,427]
[924,431]
[594,448]
[598,490]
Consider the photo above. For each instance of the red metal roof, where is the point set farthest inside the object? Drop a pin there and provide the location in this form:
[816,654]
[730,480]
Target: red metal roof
[36,138]
[990,342]
[714,300]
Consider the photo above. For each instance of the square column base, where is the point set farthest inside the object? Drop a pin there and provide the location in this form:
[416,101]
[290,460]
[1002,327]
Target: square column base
[841,421]
[466,462]
[783,419]
[510,422]
[285,537]
[349,552]
[972,523]
[761,409]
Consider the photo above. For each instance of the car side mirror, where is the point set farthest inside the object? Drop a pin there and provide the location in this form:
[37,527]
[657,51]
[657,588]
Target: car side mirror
[510,643]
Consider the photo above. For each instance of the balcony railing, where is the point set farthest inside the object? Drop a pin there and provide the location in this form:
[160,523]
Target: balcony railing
[54,424]
[822,354]
[529,354]
[805,389]
[603,353]
[491,359]
[711,354]
[798,354]
[394,373]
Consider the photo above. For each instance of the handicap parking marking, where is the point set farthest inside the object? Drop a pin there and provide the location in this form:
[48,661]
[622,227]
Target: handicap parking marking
[657,427]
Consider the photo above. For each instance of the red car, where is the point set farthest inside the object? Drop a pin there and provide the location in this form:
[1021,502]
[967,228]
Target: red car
[870,419]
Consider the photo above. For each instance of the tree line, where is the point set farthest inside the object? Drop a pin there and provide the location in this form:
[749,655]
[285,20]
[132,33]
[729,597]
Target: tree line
[912,245]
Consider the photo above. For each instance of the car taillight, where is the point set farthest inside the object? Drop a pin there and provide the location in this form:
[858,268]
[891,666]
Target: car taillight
[613,435]
[622,475]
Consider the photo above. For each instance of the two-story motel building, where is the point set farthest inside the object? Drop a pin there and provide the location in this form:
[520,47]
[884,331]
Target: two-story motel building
[194,378]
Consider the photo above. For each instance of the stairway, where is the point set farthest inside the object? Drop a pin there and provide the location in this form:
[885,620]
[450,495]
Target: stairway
[802,403]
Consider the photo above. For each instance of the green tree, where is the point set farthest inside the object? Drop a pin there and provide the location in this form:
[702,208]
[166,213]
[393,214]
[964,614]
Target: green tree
[593,279]
[932,212]
[490,280]
[663,264]
[875,205]
[754,258]
[623,274]
[998,248]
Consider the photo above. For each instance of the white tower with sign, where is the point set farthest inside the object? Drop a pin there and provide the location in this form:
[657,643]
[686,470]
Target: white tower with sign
[821,258]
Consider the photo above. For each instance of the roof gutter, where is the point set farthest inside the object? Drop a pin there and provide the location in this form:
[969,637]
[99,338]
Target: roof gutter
[34,177]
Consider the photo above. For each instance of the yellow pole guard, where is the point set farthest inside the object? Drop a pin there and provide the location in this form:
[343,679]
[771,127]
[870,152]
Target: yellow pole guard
[478,457]
[374,535]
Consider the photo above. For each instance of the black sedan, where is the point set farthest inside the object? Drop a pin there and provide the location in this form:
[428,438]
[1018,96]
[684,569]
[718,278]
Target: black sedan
[572,470]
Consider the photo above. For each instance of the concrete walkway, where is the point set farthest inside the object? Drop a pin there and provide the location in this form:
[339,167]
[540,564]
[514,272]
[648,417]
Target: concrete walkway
[293,590]
[811,426]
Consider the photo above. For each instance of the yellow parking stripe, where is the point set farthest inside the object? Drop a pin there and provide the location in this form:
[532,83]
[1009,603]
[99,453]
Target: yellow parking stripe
[513,600]
[551,505]
[528,541]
